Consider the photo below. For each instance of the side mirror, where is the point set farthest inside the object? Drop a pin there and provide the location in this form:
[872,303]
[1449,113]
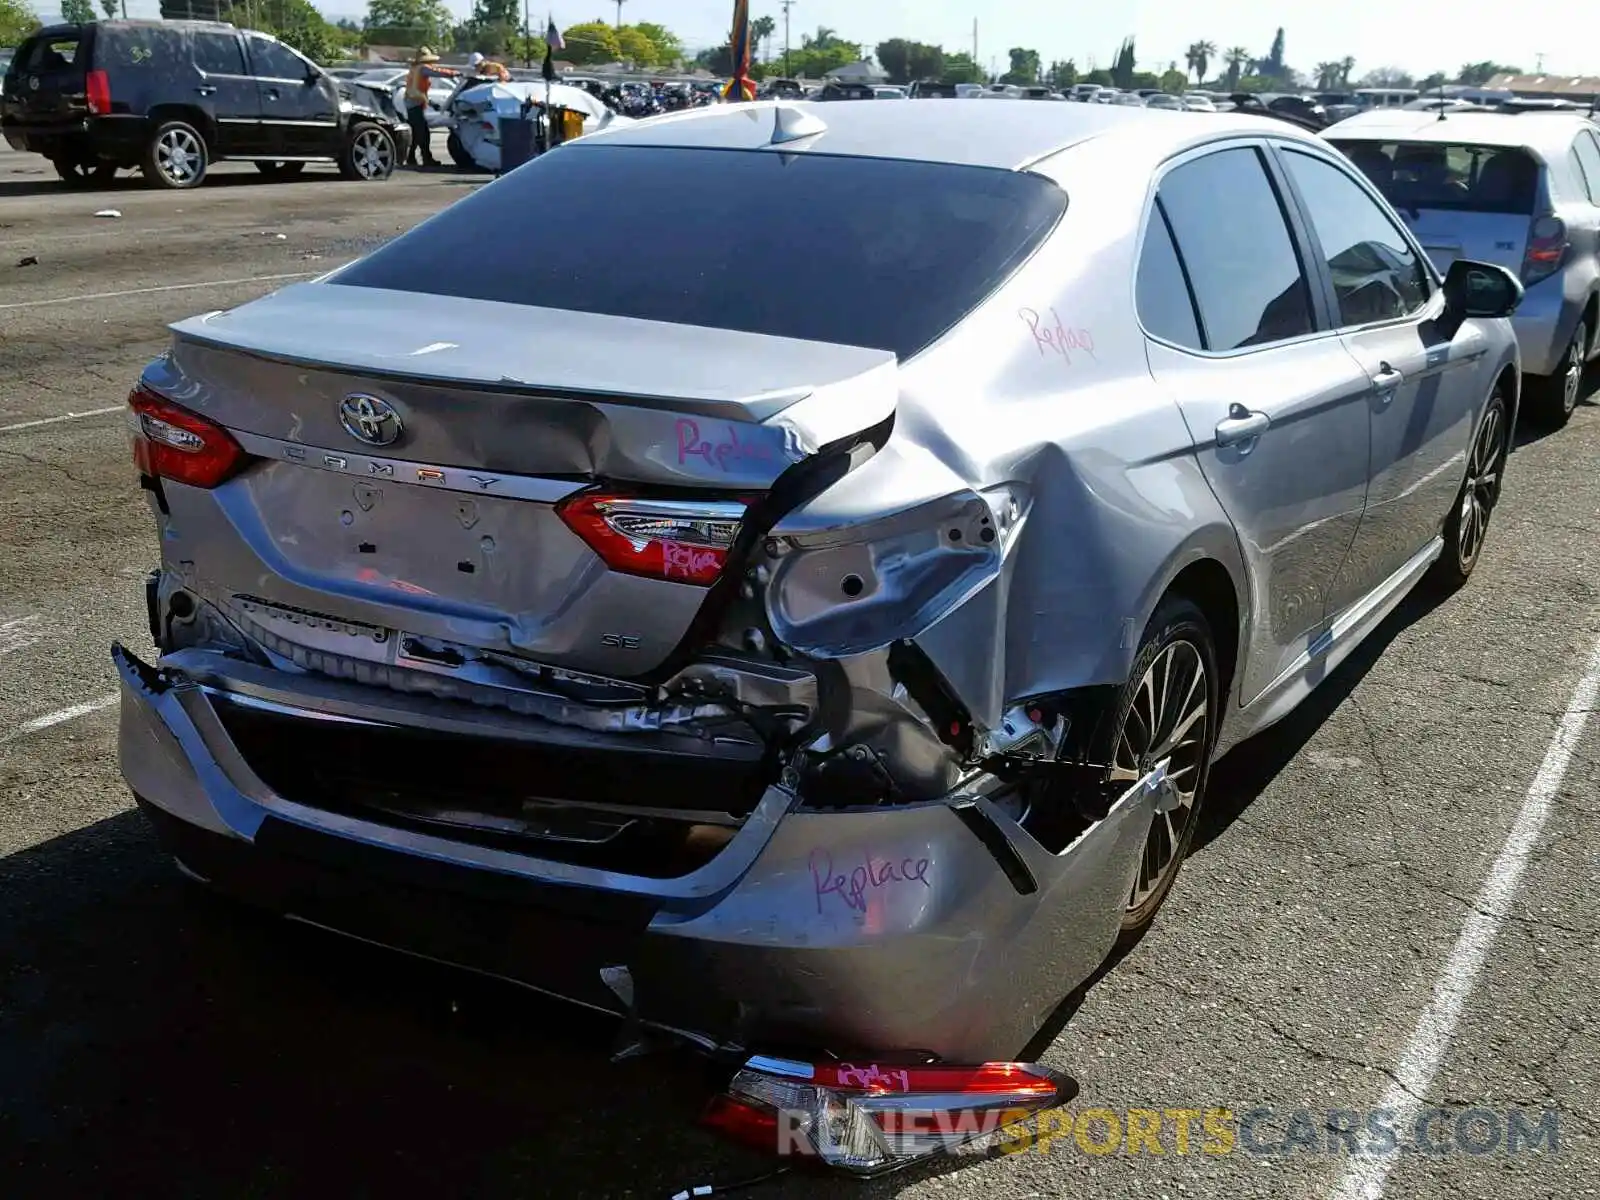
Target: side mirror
[1476,289]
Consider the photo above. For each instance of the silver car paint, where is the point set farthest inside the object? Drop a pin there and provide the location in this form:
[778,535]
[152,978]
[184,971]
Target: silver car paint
[1047,416]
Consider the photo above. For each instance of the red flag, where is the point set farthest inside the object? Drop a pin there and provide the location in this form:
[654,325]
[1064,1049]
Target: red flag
[741,86]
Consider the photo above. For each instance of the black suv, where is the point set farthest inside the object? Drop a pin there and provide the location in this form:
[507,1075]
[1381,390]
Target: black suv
[172,97]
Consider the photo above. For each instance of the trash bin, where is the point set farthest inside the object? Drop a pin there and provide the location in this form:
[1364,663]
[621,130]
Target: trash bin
[516,142]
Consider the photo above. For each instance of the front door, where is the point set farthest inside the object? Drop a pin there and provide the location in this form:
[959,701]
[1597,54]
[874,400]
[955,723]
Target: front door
[1276,405]
[299,104]
[227,91]
[1426,393]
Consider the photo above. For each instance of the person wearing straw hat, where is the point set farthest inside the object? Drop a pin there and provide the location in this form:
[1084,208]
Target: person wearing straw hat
[424,70]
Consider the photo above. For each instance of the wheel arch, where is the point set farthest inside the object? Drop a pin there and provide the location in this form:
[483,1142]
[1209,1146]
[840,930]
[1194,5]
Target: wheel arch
[160,114]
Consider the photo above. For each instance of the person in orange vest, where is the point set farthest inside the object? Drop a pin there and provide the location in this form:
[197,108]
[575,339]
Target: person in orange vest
[424,70]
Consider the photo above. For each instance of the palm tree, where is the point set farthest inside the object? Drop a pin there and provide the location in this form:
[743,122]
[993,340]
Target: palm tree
[620,3]
[1198,56]
[1327,75]
[761,29]
[1237,58]
[1346,65]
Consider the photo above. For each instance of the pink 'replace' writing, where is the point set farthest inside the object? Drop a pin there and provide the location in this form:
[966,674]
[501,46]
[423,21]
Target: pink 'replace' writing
[872,1077]
[1051,335]
[723,454]
[679,559]
[872,875]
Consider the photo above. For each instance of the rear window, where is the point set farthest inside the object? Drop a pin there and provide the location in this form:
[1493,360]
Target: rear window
[881,253]
[1462,178]
[46,54]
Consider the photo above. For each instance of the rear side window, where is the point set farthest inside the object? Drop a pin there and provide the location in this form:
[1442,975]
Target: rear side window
[139,45]
[1587,152]
[1459,178]
[1376,274]
[1234,241]
[883,253]
[1162,292]
[218,53]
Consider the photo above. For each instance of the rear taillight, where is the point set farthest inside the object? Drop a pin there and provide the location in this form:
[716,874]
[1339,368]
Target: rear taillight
[97,93]
[683,540]
[870,1119]
[1547,247]
[174,443]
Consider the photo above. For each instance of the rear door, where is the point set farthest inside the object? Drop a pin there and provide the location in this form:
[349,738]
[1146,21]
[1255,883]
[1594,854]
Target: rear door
[299,105]
[1460,201]
[227,91]
[1425,389]
[1276,405]
[47,79]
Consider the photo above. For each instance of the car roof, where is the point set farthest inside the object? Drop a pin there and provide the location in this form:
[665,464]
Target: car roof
[1548,134]
[1006,134]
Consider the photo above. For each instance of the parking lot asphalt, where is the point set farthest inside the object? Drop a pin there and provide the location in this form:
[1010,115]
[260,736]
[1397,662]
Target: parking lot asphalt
[1417,845]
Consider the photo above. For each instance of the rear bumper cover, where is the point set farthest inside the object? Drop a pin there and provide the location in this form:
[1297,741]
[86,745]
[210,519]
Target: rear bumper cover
[894,929]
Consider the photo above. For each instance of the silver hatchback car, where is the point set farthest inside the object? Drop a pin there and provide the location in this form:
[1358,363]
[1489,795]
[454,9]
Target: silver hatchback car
[1521,190]
[794,596]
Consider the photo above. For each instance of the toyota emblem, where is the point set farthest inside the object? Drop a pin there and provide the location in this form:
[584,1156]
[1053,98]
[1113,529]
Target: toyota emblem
[369,419]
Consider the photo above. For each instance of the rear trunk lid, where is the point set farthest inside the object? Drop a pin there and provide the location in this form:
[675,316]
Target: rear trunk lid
[46,84]
[433,530]
[1460,200]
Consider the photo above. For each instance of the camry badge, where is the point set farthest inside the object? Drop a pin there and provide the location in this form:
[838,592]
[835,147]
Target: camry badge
[369,419]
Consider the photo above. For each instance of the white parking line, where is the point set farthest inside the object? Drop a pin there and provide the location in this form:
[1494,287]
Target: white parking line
[19,633]
[71,713]
[165,287]
[93,412]
[1364,1178]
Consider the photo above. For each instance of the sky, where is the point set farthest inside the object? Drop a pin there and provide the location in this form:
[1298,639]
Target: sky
[1419,36]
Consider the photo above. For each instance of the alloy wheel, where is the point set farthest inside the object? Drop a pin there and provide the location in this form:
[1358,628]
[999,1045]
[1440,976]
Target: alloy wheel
[1482,487]
[372,154]
[179,155]
[1572,377]
[1169,720]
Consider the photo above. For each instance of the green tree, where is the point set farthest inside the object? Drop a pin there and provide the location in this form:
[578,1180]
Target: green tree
[636,48]
[959,68]
[1174,82]
[761,31]
[1122,65]
[1237,59]
[1272,64]
[894,56]
[1387,77]
[110,8]
[668,46]
[1062,75]
[1327,75]
[408,22]
[1198,56]
[77,12]
[16,22]
[1479,73]
[926,62]
[1100,77]
[1431,83]
[591,42]
[1024,67]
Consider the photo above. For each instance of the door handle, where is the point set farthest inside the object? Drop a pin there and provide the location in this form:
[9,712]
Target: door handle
[206,90]
[1385,381]
[272,93]
[1241,425]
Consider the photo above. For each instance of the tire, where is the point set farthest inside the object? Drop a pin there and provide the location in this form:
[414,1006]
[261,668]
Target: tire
[1550,399]
[1468,523]
[368,153]
[1176,655]
[458,153]
[175,157]
[280,170]
[76,174]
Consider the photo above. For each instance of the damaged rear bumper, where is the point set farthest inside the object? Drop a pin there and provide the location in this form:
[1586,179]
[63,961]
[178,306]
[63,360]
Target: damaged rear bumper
[940,927]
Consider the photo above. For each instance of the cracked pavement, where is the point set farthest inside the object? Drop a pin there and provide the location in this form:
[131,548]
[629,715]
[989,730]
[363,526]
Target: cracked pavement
[154,1040]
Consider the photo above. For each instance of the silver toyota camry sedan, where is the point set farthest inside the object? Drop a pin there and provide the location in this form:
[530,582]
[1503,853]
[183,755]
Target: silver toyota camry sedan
[782,573]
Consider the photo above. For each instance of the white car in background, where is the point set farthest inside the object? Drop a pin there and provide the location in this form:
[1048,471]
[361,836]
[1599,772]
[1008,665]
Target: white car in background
[1199,102]
[1162,100]
[476,110]
[393,81]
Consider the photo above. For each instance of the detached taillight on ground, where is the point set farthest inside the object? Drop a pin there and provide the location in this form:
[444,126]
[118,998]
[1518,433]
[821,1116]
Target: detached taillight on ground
[682,540]
[173,443]
[1547,248]
[870,1119]
[97,93]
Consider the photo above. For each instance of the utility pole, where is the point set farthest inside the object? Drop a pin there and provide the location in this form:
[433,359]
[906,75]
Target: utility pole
[527,36]
[786,6]
[974,41]
[1538,64]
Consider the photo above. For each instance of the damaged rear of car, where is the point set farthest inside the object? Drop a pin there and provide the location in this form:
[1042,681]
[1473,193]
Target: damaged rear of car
[659,625]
